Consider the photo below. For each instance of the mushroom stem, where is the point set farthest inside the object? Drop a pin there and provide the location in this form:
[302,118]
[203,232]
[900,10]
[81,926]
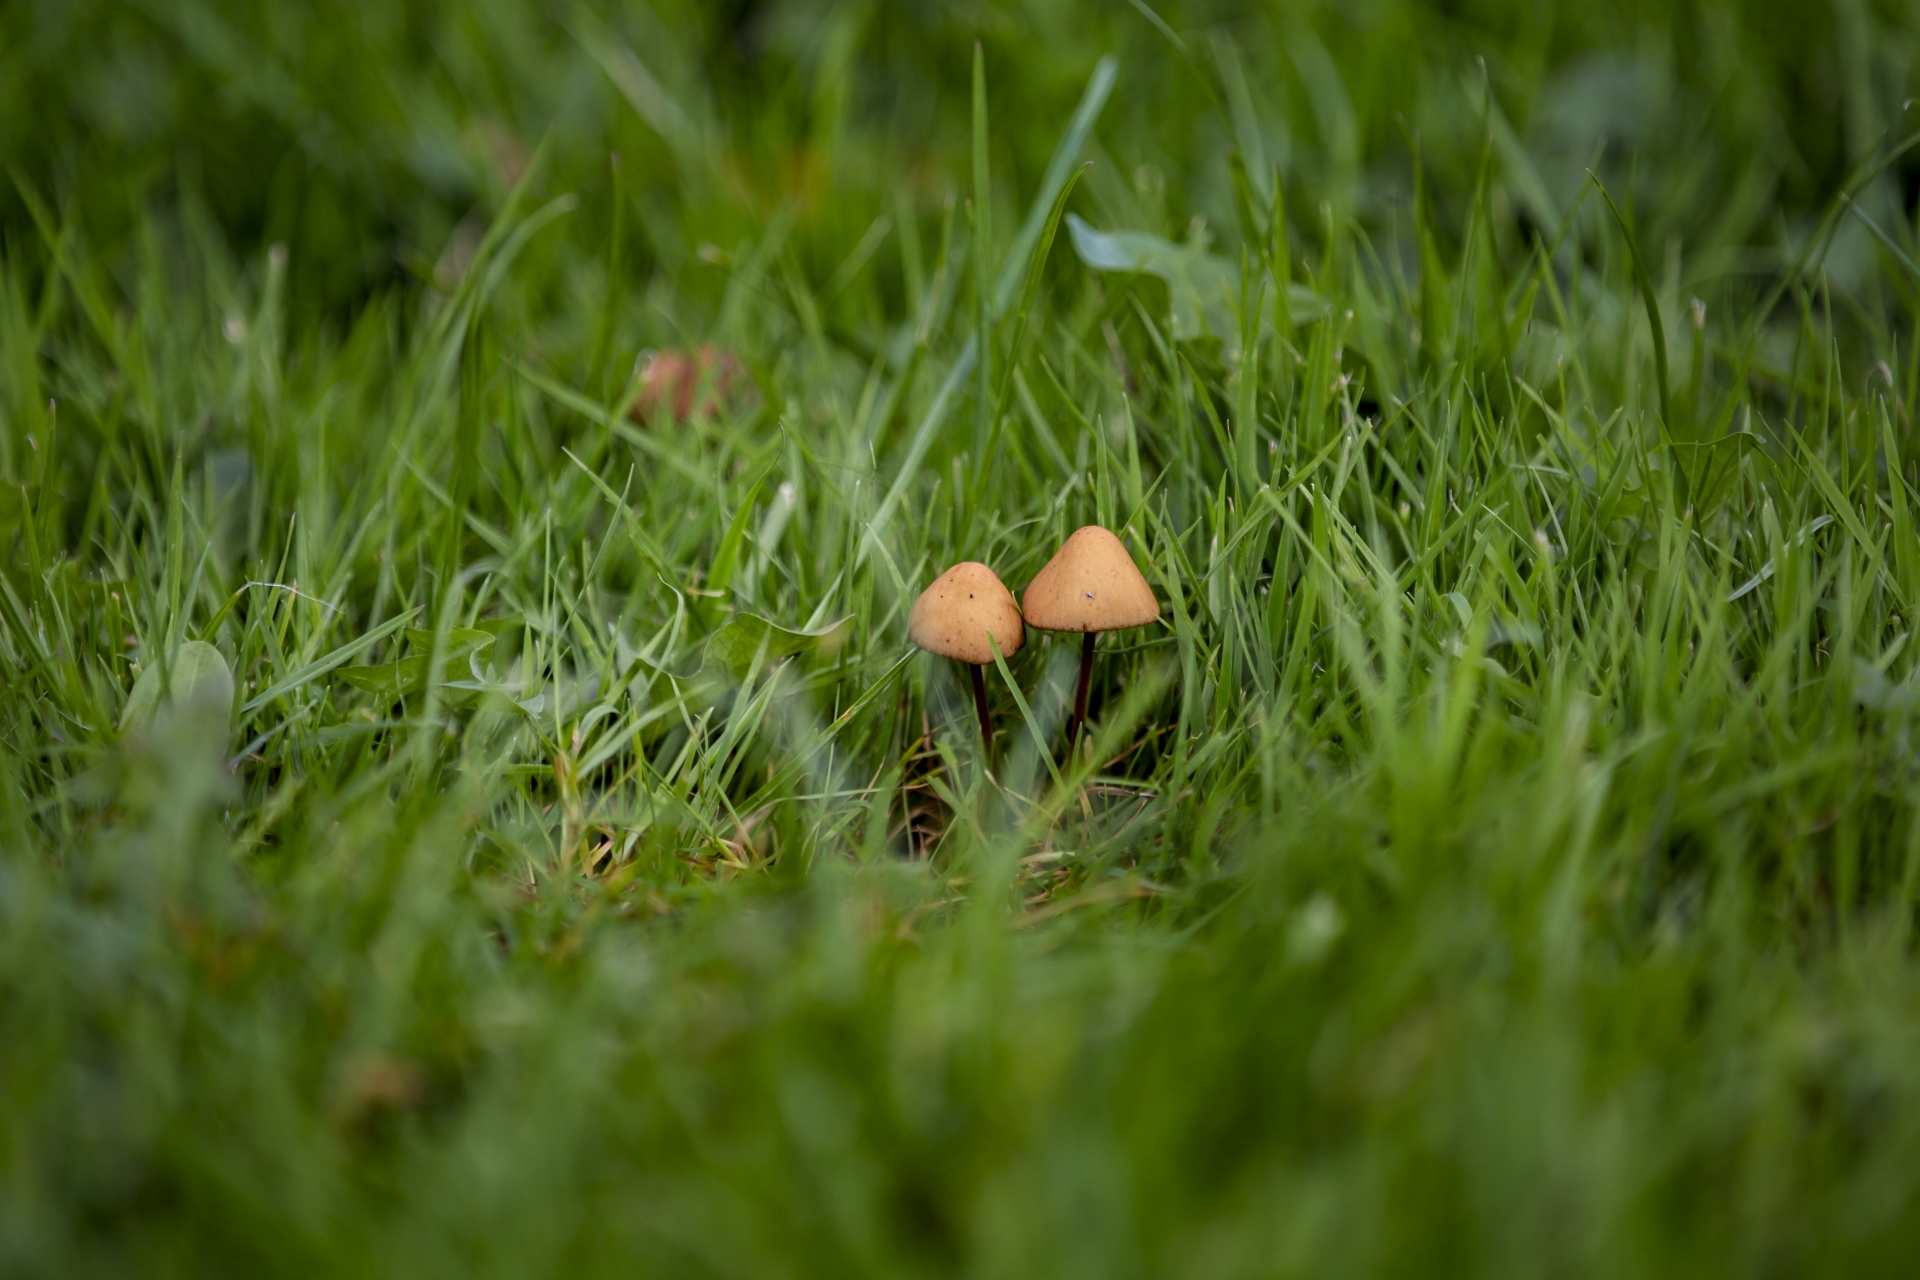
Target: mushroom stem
[1080,691]
[980,705]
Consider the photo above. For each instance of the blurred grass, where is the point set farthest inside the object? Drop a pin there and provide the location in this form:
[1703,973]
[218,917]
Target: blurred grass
[1503,861]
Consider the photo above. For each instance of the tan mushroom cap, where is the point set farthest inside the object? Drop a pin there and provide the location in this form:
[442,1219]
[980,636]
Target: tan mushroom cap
[954,616]
[1091,584]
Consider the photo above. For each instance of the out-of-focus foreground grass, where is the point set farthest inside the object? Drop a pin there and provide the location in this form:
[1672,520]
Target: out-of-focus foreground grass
[1502,860]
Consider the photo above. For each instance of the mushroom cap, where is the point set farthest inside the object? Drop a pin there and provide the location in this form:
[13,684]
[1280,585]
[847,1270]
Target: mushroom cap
[677,385]
[1091,584]
[954,616]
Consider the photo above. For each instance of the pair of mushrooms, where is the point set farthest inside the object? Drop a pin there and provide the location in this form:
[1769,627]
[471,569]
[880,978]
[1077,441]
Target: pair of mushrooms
[1091,585]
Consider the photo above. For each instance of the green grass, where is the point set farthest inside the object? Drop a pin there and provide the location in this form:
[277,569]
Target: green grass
[1503,859]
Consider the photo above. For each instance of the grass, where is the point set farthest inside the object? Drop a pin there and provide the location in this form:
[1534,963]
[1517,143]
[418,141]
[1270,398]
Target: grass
[1503,860]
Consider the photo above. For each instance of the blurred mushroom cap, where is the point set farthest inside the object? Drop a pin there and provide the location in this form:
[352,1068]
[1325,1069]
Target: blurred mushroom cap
[678,384]
[954,616]
[1091,584]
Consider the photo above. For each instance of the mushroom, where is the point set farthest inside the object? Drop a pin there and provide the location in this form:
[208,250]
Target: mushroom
[679,384]
[1091,585]
[954,617]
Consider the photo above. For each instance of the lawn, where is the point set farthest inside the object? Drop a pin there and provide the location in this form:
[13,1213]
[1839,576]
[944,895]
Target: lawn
[469,804]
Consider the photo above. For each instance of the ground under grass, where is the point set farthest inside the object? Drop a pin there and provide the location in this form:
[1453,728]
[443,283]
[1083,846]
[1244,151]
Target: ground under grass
[450,824]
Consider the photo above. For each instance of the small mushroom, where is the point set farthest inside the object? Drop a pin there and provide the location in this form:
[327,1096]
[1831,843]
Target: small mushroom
[679,385]
[954,617]
[1091,585]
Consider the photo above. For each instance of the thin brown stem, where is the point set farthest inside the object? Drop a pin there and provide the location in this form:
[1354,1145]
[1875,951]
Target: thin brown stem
[1080,692]
[980,705]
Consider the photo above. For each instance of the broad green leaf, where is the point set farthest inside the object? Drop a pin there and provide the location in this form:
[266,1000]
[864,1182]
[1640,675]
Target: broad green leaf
[1200,287]
[460,641]
[1202,291]
[195,673]
[1872,689]
[320,666]
[388,679]
[409,674]
[731,650]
